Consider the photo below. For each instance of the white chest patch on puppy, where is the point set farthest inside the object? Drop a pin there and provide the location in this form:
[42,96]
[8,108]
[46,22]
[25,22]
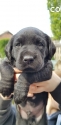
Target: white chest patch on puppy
[29,111]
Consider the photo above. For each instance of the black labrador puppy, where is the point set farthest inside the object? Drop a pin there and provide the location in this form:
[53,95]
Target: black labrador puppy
[30,50]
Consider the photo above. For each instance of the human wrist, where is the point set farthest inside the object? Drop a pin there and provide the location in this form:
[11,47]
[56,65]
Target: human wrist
[55,81]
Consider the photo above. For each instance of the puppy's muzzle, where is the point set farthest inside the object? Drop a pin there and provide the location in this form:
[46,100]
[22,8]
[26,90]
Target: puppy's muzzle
[28,59]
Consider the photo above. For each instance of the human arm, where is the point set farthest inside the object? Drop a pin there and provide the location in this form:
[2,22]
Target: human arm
[53,86]
[52,106]
[7,111]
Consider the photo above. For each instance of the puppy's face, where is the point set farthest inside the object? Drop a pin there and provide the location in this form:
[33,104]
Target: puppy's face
[29,49]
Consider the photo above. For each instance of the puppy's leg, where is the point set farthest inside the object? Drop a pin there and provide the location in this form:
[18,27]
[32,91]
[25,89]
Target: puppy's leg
[21,88]
[7,79]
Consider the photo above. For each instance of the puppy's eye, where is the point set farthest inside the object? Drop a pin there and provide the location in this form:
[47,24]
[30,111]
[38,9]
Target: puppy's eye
[39,43]
[17,44]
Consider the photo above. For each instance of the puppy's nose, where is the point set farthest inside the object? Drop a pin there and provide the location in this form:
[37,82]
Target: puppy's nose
[28,59]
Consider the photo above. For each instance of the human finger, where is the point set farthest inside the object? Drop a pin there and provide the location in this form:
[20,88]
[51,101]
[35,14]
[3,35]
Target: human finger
[16,73]
[17,70]
[16,76]
[36,89]
[30,94]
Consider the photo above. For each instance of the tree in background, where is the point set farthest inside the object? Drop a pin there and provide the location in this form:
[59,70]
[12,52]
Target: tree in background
[54,7]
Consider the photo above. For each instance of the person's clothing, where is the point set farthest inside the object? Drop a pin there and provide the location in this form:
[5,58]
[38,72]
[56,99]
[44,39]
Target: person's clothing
[54,119]
[56,94]
[8,113]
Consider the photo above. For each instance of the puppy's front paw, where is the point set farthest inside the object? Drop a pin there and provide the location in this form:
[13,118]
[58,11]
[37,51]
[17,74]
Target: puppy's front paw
[21,89]
[7,79]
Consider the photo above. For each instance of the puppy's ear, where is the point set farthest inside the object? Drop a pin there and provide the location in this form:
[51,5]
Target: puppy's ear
[8,49]
[51,47]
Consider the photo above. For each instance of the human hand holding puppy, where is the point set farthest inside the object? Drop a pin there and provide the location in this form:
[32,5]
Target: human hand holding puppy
[46,86]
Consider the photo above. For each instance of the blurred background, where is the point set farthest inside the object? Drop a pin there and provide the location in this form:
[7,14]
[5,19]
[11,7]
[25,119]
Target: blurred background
[45,15]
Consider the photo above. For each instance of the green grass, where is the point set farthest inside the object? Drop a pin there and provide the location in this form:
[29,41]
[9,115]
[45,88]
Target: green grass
[3,43]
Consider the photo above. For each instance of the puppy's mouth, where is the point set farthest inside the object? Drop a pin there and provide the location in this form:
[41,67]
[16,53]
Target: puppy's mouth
[29,69]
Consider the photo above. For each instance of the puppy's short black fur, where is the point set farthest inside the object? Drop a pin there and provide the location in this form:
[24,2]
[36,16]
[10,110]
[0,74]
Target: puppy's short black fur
[30,50]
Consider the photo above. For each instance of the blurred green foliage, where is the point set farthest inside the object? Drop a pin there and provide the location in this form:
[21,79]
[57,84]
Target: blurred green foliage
[3,43]
[55,17]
